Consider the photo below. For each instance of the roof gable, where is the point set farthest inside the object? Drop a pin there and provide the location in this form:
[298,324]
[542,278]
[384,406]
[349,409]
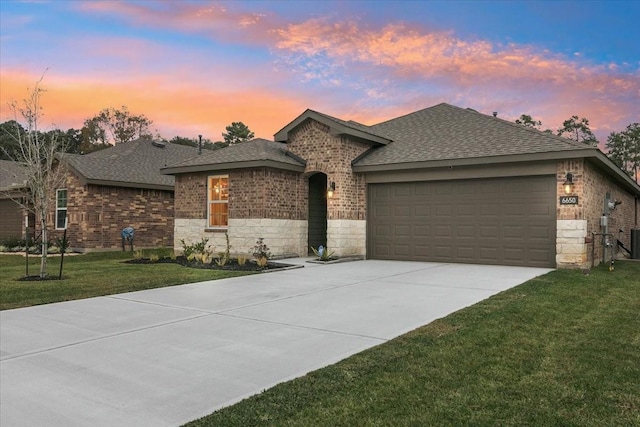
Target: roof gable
[337,127]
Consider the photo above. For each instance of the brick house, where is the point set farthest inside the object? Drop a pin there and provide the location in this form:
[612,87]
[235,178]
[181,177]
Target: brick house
[443,184]
[121,186]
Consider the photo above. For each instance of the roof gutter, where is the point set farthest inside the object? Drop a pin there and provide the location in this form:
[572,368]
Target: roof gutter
[231,166]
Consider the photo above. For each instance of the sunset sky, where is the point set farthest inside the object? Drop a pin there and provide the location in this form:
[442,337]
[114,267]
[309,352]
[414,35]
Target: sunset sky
[193,67]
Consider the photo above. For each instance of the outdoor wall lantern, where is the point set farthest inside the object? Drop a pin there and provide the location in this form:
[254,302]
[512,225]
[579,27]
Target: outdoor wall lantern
[331,189]
[568,184]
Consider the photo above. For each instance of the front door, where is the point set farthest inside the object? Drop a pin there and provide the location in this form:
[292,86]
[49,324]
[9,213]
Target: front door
[317,211]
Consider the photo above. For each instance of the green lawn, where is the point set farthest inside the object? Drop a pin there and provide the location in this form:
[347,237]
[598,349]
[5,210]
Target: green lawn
[562,349]
[90,275]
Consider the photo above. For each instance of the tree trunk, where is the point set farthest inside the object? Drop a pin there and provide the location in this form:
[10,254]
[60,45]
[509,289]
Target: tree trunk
[43,259]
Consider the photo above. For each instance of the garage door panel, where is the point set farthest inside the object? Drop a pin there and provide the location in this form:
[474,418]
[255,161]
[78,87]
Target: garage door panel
[402,231]
[493,221]
[465,231]
[422,230]
[402,211]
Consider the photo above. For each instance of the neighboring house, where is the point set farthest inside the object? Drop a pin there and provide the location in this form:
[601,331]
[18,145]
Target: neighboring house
[443,184]
[12,187]
[121,186]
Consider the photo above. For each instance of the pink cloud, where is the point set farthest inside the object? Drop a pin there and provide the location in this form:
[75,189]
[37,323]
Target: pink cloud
[215,19]
[482,73]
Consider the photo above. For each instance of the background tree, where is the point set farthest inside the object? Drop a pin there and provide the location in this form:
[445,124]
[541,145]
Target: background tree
[38,152]
[237,132]
[527,121]
[10,133]
[116,126]
[624,149]
[193,142]
[578,129]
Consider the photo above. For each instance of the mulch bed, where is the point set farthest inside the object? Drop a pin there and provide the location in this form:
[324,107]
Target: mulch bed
[229,266]
[38,278]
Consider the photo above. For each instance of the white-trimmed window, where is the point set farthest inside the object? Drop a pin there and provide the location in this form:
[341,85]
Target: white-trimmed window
[218,201]
[61,209]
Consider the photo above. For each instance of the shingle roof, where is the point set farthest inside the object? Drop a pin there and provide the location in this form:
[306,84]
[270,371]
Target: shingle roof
[446,132]
[257,152]
[12,175]
[131,164]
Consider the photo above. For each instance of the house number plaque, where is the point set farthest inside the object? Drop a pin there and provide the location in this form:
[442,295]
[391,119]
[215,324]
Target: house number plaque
[569,200]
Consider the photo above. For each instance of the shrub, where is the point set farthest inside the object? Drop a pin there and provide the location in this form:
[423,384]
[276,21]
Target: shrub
[242,259]
[154,257]
[222,259]
[12,242]
[139,254]
[261,250]
[199,248]
[326,255]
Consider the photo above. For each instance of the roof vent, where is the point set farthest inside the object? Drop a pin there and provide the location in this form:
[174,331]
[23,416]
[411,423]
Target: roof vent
[159,144]
[495,114]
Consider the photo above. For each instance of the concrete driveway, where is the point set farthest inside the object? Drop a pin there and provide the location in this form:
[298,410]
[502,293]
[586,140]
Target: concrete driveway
[166,356]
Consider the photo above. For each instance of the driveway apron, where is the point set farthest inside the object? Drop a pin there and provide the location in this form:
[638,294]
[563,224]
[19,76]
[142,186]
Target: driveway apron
[163,357]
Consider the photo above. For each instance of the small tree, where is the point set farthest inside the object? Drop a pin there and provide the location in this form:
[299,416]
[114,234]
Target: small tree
[38,153]
[237,132]
[624,149]
[578,130]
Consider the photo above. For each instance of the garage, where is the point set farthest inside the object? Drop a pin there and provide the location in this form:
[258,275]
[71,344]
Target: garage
[502,221]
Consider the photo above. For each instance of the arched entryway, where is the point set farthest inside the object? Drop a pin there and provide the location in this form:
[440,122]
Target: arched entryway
[317,211]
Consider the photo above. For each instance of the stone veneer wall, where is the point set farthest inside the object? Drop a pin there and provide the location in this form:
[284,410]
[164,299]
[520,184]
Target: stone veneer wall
[348,237]
[97,214]
[575,223]
[332,155]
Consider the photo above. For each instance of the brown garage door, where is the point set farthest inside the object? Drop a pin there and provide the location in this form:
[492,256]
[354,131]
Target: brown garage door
[504,221]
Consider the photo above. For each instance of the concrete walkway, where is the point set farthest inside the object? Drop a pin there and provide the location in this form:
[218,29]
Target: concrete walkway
[163,357]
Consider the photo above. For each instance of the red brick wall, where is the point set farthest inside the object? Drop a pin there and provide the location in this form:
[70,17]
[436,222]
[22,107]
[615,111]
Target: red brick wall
[97,214]
[332,155]
[253,193]
[596,185]
[266,193]
[191,195]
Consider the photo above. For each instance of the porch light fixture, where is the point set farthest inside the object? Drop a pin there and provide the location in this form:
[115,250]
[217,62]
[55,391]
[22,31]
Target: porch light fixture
[331,189]
[568,184]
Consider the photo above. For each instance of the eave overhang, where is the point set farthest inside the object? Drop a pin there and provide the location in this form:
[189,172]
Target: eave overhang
[221,167]
[593,155]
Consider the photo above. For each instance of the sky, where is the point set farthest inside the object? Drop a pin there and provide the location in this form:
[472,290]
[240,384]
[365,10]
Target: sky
[193,67]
